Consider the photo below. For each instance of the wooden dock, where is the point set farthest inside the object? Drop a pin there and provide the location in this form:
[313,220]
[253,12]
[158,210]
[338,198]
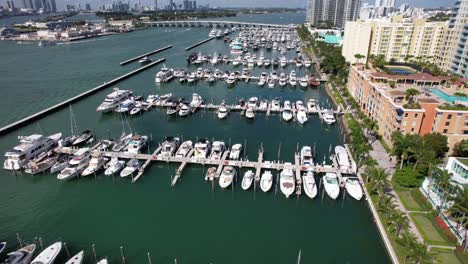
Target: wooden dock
[199,43]
[144,55]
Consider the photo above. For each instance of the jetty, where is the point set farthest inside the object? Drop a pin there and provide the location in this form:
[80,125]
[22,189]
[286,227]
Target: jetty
[215,23]
[199,43]
[145,55]
[76,98]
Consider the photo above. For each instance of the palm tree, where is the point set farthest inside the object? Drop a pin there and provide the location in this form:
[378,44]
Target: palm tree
[358,57]
[410,94]
[459,209]
[398,221]
[444,181]
[407,240]
[378,180]
[430,158]
[401,145]
[419,254]
[385,204]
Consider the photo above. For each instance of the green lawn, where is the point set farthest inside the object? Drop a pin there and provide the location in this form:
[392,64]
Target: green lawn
[429,230]
[408,201]
[446,256]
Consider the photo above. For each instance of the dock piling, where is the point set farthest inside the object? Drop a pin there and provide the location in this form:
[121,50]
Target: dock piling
[122,254]
[19,240]
[94,253]
[66,249]
[149,258]
[40,243]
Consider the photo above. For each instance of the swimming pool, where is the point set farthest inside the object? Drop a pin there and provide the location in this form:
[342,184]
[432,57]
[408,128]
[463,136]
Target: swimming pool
[446,97]
[401,70]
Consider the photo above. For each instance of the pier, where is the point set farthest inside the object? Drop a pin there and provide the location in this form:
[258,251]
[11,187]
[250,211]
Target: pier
[199,43]
[214,23]
[144,55]
[76,98]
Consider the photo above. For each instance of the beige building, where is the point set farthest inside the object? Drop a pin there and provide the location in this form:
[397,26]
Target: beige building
[394,39]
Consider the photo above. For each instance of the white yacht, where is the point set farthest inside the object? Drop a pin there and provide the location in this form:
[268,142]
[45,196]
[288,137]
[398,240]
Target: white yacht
[283,61]
[292,78]
[231,79]
[311,105]
[60,163]
[261,60]
[263,105]
[310,187]
[236,150]
[77,259]
[125,106]
[136,143]
[214,59]
[301,113]
[145,60]
[304,82]
[287,113]
[48,255]
[223,111]
[114,166]
[306,156]
[271,83]
[307,63]
[250,113]
[196,102]
[253,102]
[184,110]
[184,149]
[353,188]
[113,100]
[247,179]
[266,181]
[191,78]
[331,185]
[275,104]
[237,61]
[122,143]
[202,147]
[103,261]
[76,165]
[328,117]
[164,75]
[342,158]
[95,165]
[287,181]
[169,146]
[227,177]
[132,166]
[29,148]
[283,79]
[217,150]
[212,33]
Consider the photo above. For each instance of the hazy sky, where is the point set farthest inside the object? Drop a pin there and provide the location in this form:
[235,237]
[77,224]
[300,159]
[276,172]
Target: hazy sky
[242,3]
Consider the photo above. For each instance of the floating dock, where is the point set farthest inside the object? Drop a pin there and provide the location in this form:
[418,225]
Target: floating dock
[199,43]
[144,55]
[76,98]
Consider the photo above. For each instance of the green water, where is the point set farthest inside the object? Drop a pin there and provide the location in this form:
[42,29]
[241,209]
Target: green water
[191,222]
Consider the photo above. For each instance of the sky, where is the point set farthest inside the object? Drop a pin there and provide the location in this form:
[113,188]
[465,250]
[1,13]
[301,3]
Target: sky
[241,3]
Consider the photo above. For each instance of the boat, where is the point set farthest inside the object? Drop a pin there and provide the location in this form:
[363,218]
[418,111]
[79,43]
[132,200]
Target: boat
[223,111]
[310,187]
[283,80]
[125,106]
[106,145]
[306,156]
[292,78]
[29,148]
[191,78]
[311,106]
[253,102]
[212,33]
[179,73]
[261,60]
[103,261]
[21,256]
[227,177]
[184,149]
[95,165]
[114,166]
[231,79]
[211,174]
[77,259]
[247,179]
[34,167]
[250,113]
[263,105]
[196,102]
[84,137]
[61,163]
[342,158]
[287,181]
[214,59]
[48,255]
[301,114]
[145,60]
[199,73]
[299,64]
[266,181]
[267,63]
[237,61]
[137,109]
[76,165]
[172,110]
[132,166]
[192,57]
[113,99]
[122,143]
[303,82]
[271,83]
[202,147]
[283,61]
[330,183]
[313,81]
[164,75]
[328,117]
[287,113]
[235,152]
[184,110]
[275,104]
[136,143]
[353,188]
[307,62]
[169,146]
[217,150]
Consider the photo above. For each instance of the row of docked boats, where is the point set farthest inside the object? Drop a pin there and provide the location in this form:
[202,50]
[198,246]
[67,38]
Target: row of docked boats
[218,33]
[269,39]
[49,255]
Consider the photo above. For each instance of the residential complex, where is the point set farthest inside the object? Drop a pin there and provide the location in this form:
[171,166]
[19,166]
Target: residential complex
[394,39]
[453,53]
[381,96]
[333,12]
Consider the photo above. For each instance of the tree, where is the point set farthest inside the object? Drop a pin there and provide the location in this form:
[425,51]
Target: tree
[359,57]
[410,94]
[378,180]
[402,145]
[444,181]
[459,209]
[398,221]
[385,204]
[461,149]
[419,254]
[437,142]
[417,153]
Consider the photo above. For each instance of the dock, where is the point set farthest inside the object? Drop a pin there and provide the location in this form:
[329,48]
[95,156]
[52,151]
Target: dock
[76,98]
[144,55]
[199,43]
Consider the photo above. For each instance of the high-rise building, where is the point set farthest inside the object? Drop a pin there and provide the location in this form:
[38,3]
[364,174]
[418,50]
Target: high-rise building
[88,7]
[385,3]
[394,39]
[333,12]
[10,4]
[155,4]
[453,55]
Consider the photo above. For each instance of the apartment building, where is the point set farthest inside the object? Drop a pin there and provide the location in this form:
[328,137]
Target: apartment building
[333,12]
[394,39]
[430,111]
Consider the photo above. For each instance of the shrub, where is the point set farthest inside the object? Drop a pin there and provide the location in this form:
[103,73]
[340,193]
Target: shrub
[408,178]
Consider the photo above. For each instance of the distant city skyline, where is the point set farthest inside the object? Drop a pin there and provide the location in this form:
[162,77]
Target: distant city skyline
[238,3]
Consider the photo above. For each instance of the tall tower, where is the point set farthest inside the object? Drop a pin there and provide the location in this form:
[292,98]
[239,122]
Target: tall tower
[155,4]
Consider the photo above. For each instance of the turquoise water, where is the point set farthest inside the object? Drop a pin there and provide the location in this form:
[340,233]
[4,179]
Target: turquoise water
[193,222]
[446,97]
[402,70]
[332,39]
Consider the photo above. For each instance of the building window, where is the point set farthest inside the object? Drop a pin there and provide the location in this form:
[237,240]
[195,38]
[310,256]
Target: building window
[465,132]
[447,123]
[449,116]
[415,115]
[414,123]
[445,131]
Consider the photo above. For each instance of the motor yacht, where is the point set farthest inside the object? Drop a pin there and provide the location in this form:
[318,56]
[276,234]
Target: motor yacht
[184,149]
[235,152]
[271,83]
[169,146]
[301,114]
[275,104]
[287,113]
[61,163]
[137,109]
[328,117]
[136,143]
[227,177]
[253,102]
[266,181]
[263,105]
[34,167]
[48,255]
[21,256]
[250,113]
[29,148]
[196,102]
[247,180]
[231,79]
[125,106]
[261,60]
[113,100]
[199,73]
[114,166]
[76,165]
[331,185]
[223,111]
[306,156]
[132,166]
[164,75]
[283,79]
[145,60]
[202,147]
[353,188]
[184,110]
[214,59]
[217,150]
[77,259]
[311,106]
[342,158]
[283,61]
[103,261]
[237,61]
[287,181]
[191,78]
[106,145]
[267,63]
[307,63]
[292,78]
[172,110]
[95,165]
[310,187]
[303,82]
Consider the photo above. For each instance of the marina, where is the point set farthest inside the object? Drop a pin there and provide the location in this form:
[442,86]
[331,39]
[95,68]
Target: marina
[170,207]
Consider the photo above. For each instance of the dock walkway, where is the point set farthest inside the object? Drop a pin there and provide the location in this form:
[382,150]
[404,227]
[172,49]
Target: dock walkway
[146,54]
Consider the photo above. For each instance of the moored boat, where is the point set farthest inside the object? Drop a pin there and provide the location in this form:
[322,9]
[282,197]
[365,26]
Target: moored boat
[48,255]
[266,181]
[310,187]
[287,181]
[227,177]
[247,179]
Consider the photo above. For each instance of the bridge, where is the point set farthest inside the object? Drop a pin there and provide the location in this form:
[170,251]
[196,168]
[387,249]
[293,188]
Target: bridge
[214,23]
